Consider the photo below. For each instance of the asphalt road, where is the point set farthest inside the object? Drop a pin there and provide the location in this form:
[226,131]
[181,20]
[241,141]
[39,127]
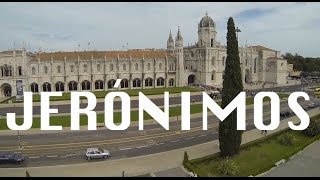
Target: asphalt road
[135,103]
[69,147]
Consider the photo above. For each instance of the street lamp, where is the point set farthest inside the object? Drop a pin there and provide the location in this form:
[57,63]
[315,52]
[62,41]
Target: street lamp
[237,31]
[19,139]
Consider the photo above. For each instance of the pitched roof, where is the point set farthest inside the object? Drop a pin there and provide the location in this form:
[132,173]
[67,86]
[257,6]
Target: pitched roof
[137,53]
[260,48]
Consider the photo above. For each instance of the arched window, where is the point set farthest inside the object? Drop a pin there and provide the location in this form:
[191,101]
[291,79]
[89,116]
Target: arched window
[213,77]
[111,83]
[73,86]
[213,59]
[160,81]
[148,82]
[59,86]
[46,87]
[85,68]
[111,67]
[46,69]
[255,65]
[98,84]
[20,71]
[98,67]
[246,61]
[124,83]
[71,68]
[211,42]
[172,67]
[223,60]
[34,87]
[124,66]
[136,66]
[171,82]
[33,70]
[149,66]
[59,69]
[160,66]
[137,82]
[85,85]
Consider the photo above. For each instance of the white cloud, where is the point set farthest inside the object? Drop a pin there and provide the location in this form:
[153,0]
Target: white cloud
[291,27]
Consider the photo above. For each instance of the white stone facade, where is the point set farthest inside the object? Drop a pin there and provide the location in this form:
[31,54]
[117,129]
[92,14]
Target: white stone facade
[177,66]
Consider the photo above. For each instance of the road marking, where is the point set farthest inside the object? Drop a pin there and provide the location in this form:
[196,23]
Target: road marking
[160,143]
[125,149]
[69,155]
[141,147]
[175,141]
[34,157]
[203,135]
[53,156]
[190,138]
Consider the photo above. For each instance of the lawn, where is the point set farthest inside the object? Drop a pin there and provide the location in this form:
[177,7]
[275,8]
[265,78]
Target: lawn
[130,92]
[258,157]
[65,120]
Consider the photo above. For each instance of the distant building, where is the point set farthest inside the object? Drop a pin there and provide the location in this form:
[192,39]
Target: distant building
[203,62]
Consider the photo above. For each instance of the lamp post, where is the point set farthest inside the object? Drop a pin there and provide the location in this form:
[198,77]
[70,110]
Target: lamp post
[19,140]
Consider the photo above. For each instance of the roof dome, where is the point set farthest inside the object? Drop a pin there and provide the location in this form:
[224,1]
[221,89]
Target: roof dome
[206,21]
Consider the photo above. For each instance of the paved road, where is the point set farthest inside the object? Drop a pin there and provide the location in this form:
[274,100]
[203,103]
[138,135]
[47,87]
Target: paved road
[53,149]
[135,103]
[306,164]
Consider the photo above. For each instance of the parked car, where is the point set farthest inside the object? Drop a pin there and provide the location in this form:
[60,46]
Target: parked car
[10,157]
[285,113]
[96,153]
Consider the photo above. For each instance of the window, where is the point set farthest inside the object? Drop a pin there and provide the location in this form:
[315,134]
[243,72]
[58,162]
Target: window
[223,60]
[246,61]
[136,66]
[98,67]
[46,69]
[46,87]
[111,83]
[191,67]
[33,70]
[149,66]
[73,86]
[136,82]
[213,59]
[255,65]
[85,68]
[172,67]
[34,87]
[111,67]
[98,84]
[59,86]
[160,66]
[85,85]
[59,69]
[213,75]
[148,82]
[20,71]
[124,66]
[124,83]
[160,81]
[211,42]
[71,68]
[171,82]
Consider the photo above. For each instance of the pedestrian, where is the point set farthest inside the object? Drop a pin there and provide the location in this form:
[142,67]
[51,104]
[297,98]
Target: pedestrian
[265,132]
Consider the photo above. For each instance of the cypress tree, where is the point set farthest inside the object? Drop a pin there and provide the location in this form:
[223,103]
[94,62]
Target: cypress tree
[229,137]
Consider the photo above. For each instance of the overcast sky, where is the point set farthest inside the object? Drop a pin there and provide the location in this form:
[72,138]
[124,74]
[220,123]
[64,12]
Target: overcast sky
[288,27]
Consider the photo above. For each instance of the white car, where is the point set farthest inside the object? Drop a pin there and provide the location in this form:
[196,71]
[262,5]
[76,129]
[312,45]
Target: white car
[96,153]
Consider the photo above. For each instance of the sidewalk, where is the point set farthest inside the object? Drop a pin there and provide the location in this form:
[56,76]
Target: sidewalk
[142,164]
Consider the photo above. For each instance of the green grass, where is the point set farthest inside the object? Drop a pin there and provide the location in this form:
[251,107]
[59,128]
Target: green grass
[257,157]
[134,116]
[130,92]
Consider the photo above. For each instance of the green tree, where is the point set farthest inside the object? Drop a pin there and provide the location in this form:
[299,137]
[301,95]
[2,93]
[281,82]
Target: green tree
[229,137]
